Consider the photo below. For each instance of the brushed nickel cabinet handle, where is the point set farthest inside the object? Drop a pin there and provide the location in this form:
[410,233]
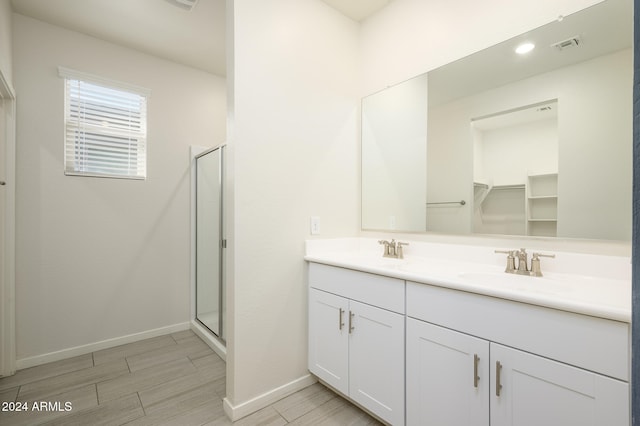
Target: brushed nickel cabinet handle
[340,322]
[476,379]
[351,327]
[498,385]
[2,183]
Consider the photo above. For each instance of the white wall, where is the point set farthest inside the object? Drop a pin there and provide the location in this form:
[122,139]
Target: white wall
[409,37]
[103,258]
[6,63]
[509,154]
[293,154]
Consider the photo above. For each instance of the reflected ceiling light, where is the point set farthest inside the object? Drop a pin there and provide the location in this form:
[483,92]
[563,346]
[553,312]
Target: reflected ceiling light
[525,48]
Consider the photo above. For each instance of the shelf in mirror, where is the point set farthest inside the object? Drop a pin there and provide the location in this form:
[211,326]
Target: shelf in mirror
[542,204]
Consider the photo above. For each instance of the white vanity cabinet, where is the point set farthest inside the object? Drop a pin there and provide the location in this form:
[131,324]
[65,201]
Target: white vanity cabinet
[539,391]
[478,360]
[356,337]
[329,339]
[447,377]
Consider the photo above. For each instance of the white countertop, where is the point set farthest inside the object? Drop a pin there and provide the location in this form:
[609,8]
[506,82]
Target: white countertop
[605,291]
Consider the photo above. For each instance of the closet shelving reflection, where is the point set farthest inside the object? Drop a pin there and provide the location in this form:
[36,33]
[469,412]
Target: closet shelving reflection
[542,204]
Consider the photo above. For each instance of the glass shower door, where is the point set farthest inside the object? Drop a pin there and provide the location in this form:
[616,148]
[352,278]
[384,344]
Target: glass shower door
[209,241]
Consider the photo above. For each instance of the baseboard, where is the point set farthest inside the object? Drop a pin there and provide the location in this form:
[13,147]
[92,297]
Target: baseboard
[235,412]
[92,347]
[216,345]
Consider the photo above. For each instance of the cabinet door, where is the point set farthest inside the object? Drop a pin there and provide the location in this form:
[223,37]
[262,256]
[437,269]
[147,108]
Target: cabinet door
[376,361]
[538,391]
[329,338]
[447,377]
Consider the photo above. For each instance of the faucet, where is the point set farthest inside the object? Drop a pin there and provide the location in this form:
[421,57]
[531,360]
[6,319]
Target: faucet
[535,263]
[511,260]
[522,257]
[522,262]
[393,249]
[389,248]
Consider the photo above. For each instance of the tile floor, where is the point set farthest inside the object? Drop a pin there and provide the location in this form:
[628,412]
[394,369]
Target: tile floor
[174,379]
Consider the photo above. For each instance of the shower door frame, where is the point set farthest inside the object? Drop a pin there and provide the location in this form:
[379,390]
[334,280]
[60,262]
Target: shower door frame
[198,152]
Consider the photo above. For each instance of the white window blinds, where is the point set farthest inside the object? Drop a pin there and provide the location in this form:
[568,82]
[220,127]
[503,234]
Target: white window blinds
[105,128]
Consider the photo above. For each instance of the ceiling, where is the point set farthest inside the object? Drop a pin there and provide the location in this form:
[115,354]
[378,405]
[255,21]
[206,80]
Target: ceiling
[604,28]
[195,38]
[357,10]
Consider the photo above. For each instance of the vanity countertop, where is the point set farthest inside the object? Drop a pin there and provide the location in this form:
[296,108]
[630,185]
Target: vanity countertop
[594,292]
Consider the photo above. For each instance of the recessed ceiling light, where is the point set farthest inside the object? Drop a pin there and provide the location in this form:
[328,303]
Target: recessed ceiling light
[525,48]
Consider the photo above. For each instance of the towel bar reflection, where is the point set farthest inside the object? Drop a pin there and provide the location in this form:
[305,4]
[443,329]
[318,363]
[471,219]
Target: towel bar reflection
[461,202]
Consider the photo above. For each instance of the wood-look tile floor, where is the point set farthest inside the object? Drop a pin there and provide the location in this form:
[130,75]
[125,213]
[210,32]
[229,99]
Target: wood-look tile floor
[174,379]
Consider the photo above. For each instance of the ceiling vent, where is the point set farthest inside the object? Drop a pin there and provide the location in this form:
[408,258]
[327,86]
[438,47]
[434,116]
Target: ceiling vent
[568,43]
[184,4]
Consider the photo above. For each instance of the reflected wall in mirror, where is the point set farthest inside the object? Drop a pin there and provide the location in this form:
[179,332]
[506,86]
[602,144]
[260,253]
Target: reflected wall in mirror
[394,177]
[515,172]
[581,190]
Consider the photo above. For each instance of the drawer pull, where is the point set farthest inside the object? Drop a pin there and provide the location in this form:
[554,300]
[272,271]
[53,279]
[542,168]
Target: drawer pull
[340,322]
[498,385]
[351,327]
[476,379]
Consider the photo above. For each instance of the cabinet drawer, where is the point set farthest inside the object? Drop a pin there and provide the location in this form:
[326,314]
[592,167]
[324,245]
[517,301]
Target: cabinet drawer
[376,290]
[591,343]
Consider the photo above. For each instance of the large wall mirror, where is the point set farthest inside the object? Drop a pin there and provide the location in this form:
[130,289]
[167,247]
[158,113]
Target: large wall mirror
[536,144]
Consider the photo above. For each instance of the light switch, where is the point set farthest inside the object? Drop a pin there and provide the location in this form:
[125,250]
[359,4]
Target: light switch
[315,225]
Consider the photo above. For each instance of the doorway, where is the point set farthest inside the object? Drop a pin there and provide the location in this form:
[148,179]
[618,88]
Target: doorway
[7,229]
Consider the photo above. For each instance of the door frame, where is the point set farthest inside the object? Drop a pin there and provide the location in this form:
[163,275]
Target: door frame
[635,239]
[215,343]
[7,291]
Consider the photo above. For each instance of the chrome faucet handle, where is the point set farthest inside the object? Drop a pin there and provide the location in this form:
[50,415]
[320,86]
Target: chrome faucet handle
[511,260]
[399,251]
[535,263]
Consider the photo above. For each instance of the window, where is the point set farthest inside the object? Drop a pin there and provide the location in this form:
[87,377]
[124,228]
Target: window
[105,127]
